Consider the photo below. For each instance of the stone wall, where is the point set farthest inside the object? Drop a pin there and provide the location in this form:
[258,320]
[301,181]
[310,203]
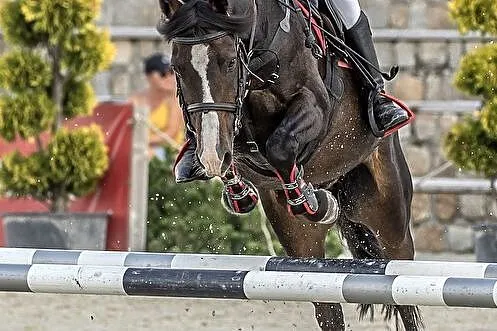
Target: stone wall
[441,222]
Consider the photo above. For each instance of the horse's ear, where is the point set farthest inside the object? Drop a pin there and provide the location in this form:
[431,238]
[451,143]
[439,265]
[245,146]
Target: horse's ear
[219,6]
[169,7]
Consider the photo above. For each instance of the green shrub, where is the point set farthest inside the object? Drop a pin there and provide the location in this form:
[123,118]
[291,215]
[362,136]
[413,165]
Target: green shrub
[22,70]
[489,118]
[25,175]
[58,18]
[15,28]
[26,115]
[471,148]
[475,15]
[79,100]
[87,52]
[477,74]
[472,143]
[73,162]
[190,218]
[78,159]
[55,50]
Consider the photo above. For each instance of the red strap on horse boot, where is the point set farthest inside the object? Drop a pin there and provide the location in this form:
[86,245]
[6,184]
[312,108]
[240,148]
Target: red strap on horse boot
[239,196]
[318,206]
[300,195]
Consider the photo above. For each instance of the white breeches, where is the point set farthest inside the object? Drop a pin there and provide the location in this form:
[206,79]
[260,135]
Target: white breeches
[348,10]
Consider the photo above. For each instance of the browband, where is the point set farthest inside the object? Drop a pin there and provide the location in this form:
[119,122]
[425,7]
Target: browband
[200,40]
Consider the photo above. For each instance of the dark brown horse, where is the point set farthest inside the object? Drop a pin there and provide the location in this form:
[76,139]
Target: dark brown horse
[298,118]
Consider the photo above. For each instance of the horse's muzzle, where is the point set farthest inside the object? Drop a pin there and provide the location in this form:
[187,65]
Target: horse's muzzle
[214,165]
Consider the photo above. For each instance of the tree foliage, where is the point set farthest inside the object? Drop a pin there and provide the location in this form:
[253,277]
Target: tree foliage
[472,143]
[469,146]
[55,50]
[475,15]
[25,115]
[477,74]
[21,70]
[78,158]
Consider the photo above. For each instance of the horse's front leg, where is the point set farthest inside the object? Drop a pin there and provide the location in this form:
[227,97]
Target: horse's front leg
[302,125]
[239,195]
[301,240]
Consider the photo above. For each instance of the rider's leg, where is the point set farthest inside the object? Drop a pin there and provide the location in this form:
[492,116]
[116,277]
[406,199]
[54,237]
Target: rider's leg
[358,36]
[348,11]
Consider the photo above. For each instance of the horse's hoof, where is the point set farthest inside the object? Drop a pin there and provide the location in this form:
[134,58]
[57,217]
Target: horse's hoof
[328,210]
[241,202]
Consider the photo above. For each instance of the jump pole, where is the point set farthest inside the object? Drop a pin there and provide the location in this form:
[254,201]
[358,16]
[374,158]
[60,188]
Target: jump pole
[251,285]
[246,263]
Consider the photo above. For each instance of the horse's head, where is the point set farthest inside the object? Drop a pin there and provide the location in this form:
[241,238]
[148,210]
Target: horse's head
[207,59]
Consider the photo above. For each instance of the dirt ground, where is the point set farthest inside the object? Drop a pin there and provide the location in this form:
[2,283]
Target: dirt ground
[47,312]
[43,312]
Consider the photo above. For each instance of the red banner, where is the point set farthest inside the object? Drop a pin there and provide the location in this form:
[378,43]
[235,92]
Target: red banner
[112,195]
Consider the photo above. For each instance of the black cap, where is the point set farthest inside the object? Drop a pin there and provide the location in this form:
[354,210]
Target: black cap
[157,62]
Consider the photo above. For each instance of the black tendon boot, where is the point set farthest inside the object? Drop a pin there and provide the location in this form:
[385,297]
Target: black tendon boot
[387,114]
[187,167]
[318,206]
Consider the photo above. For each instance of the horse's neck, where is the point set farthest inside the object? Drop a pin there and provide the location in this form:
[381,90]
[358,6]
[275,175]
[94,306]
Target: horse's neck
[269,14]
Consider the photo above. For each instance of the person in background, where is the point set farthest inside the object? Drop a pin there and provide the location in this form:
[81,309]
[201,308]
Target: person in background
[165,118]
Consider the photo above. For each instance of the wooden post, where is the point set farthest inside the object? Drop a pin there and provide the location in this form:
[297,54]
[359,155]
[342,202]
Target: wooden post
[137,225]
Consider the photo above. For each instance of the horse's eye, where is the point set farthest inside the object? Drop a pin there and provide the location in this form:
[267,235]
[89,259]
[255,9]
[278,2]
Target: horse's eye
[231,65]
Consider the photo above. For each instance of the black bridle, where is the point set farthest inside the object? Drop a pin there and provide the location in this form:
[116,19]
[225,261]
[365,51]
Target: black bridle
[243,59]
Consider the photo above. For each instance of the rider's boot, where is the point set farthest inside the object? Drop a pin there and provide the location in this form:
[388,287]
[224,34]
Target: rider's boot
[388,115]
[239,196]
[187,167]
[318,206]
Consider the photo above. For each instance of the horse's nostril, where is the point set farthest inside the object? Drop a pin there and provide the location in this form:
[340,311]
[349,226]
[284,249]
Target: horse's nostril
[226,162]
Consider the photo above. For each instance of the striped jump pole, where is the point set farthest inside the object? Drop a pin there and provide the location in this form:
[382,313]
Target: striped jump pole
[252,285]
[247,263]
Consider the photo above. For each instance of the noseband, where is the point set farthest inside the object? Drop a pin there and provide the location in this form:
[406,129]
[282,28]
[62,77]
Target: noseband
[243,58]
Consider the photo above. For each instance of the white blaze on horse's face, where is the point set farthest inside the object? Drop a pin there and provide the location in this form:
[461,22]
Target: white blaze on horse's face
[210,121]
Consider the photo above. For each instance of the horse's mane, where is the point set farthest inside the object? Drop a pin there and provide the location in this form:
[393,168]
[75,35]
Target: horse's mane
[196,18]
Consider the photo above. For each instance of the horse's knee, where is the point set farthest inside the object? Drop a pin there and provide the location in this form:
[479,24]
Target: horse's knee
[281,149]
